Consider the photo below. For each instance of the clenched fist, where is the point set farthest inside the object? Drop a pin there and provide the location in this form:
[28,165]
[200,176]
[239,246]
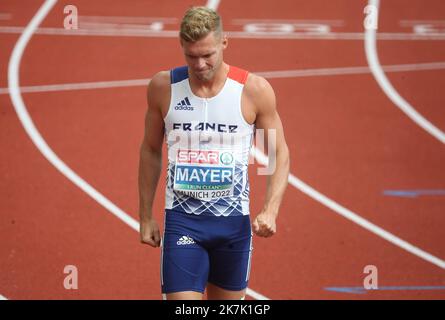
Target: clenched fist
[149,232]
[264,225]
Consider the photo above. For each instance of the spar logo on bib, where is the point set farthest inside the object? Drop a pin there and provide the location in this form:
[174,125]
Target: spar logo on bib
[226,158]
[204,174]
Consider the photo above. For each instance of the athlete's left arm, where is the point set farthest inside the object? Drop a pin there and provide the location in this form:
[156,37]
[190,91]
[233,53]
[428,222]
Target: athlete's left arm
[262,96]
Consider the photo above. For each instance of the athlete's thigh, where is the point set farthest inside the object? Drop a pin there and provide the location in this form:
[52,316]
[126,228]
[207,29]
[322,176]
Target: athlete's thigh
[230,261]
[183,295]
[184,262]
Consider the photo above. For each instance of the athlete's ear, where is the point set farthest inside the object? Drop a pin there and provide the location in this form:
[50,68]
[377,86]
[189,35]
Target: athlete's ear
[225,41]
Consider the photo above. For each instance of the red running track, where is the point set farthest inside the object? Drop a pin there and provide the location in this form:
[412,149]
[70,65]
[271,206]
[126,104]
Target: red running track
[347,141]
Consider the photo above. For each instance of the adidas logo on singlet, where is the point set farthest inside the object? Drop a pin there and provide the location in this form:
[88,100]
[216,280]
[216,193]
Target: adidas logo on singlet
[185,240]
[184,104]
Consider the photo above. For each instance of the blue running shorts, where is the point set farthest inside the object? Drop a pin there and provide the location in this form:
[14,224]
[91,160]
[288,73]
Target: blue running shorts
[197,249]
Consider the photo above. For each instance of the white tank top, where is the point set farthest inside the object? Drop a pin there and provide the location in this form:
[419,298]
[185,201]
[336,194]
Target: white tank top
[208,143]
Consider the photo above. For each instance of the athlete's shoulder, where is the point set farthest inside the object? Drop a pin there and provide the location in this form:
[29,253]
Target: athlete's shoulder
[158,90]
[256,84]
[259,91]
[160,79]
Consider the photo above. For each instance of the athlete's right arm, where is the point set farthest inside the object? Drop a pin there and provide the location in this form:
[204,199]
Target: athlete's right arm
[150,160]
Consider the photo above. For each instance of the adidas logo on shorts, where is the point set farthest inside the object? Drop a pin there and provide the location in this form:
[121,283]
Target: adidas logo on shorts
[185,240]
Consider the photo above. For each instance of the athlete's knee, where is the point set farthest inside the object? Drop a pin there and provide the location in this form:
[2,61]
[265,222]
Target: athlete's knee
[184,295]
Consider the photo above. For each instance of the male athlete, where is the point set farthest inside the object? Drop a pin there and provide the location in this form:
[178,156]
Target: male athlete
[208,112]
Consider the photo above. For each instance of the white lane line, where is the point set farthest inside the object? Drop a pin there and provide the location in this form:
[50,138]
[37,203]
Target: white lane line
[20,108]
[410,23]
[334,23]
[354,217]
[13,82]
[140,32]
[390,91]
[213,4]
[3,297]
[349,70]
[5,16]
[107,32]
[81,86]
[267,74]
[256,295]
[37,139]
[125,19]
[157,26]
[333,36]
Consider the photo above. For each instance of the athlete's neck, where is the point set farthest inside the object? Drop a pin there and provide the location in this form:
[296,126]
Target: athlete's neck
[212,85]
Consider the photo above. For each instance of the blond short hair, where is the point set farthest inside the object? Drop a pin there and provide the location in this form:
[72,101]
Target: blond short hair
[198,22]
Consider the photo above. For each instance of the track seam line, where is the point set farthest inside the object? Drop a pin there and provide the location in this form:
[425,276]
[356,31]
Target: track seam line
[384,83]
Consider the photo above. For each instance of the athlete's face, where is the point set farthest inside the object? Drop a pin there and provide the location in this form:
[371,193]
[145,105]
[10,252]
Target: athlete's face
[205,56]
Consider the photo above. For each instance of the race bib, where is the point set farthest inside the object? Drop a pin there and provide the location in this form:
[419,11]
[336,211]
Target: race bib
[204,174]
